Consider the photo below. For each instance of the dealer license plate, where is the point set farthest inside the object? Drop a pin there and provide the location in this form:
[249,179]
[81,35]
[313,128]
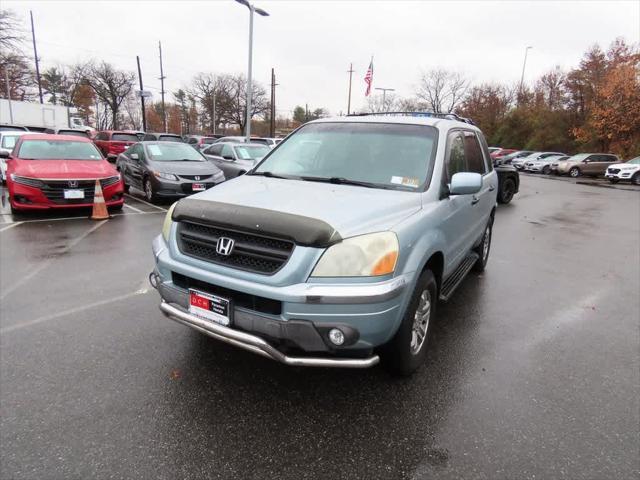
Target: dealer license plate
[198,187]
[72,194]
[210,307]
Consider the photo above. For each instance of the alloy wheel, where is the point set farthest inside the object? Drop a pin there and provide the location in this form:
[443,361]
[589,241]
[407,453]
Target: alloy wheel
[420,323]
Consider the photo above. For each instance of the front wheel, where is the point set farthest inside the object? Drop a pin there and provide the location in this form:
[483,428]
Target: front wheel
[507,190]
[546,170]
[613,180]
[149,194]
[407,350]
[483,248]
[574,172]
[636,178]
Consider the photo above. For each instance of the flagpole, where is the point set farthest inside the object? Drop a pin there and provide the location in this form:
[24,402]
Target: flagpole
[350,72]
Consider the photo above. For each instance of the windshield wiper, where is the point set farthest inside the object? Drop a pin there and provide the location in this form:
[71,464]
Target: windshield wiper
[342,181]
[268,174]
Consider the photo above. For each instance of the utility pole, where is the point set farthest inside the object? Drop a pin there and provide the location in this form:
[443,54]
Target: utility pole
[213,114]
[524,64]
[384,95]
[35,54]
[162,77]
[272,128]
[306,112]
[6,79]
[350,72]
[144,114]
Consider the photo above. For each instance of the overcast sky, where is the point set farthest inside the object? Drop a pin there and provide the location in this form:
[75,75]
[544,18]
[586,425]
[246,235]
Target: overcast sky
[311,43]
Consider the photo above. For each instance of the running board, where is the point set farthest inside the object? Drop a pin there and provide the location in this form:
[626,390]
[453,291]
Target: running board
[451,283]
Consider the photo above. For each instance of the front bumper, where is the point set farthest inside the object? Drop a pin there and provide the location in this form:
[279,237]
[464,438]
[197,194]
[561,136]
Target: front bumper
[24,197]
[621,175]
[181,188]
[368,313]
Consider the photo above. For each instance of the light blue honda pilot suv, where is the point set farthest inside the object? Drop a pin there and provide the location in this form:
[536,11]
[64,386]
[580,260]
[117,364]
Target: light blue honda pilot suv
[335,249]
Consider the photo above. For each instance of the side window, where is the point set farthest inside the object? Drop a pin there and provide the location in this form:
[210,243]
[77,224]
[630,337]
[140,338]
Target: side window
[192,141]
[214,150]
[456,161]
[227,152]
[473,154]
[148,137]
[100,136]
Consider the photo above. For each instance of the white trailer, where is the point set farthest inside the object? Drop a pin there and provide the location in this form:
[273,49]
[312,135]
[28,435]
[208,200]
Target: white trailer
[40,116]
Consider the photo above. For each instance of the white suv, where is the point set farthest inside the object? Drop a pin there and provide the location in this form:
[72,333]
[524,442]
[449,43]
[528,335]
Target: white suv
[629,170]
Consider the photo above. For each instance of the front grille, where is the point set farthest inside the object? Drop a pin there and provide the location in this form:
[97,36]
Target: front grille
[193,177]
[255,253]
[54,189]
[240,299]
[613,170]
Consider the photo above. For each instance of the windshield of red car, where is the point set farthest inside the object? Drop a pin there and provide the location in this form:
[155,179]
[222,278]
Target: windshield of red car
[57,150]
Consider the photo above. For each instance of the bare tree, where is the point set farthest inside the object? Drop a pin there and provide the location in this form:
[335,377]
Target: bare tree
[442,90]
[11,33]
[382,103]
[233,102]
[111,86]
[12,58]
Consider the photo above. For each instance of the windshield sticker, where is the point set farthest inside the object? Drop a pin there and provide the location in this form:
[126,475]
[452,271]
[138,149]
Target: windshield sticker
[154,150]
[406,181]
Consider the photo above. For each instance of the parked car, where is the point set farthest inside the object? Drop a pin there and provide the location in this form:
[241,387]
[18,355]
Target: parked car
[233,139]
[543,164]
[73,132]
[630,170]
[235,159]
[59,171]
[269,142]
[590,164]
[8,140]
[520,162]
[338,245]
[162,137]
[507,159]
[112,143]
[167,170]
[138,133]
[508,182]
[200,142]
[502,152]
[494,149]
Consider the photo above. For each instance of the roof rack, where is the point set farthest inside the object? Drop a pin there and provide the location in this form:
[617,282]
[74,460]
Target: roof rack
[445,116]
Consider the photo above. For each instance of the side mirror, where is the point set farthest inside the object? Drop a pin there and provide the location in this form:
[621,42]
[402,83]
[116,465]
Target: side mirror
[465,183]
[228,157]
[5,153]
[134,156]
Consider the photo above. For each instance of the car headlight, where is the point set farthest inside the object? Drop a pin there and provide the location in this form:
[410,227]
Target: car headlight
[166,226]
[368,255]
[166,176]
[218,175]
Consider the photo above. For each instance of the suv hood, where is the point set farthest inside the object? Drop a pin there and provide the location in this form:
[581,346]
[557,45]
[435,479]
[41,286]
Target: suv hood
[185,168]
[351,210]
[63,168]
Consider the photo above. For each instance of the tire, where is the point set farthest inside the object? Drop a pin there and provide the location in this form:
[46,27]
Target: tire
[116,208]
[407,350]
[484,248]
[149,194]
[507,191]
[574,172]
[546,170]
[635,180]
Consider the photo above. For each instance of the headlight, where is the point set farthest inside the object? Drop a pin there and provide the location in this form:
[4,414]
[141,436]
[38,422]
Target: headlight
[166,226]
[30,182]
[166,176]
[218,175]
[369,255]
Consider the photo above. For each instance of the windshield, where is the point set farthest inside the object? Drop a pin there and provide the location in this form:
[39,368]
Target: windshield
[383,154]
[124,137]
[57,150]
[251,152]
[9,141]
[173,152]
[635,161]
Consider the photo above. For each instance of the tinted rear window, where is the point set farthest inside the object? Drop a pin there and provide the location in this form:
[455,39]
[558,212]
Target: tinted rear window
[124,137]
[76,133]
[169,138]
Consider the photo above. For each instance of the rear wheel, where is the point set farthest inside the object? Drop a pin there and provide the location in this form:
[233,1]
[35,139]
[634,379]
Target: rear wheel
[407,350]
[574,172]
[546,169]
[483,249]
[507,190]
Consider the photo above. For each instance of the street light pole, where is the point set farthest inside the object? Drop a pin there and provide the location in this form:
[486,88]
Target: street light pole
[261,12]
[524,64]
[384,95]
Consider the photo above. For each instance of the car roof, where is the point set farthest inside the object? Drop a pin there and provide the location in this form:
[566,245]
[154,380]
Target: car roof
[164,133]
[18,133]
[400,119]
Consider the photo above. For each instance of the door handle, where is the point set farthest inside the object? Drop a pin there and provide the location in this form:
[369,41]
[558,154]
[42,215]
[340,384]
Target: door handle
[474,200]
[491,188]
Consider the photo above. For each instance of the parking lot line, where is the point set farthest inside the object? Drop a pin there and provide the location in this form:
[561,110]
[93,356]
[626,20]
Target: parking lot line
[10,225]
[133,208]
[46,263]
[145,202]
[71,311]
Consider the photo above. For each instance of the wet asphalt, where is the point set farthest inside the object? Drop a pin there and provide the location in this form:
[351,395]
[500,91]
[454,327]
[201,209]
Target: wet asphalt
[533,368]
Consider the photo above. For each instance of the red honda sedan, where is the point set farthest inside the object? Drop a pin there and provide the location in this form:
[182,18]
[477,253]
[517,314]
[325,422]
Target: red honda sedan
[59,171]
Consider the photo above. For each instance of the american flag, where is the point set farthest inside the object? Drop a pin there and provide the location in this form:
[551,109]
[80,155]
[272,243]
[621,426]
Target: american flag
[368,79]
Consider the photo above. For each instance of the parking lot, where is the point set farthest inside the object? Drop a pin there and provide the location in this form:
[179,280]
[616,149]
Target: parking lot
[533,369]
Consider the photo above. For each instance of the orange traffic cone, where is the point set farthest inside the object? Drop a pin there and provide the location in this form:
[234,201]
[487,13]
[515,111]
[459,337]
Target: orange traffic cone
[99,207]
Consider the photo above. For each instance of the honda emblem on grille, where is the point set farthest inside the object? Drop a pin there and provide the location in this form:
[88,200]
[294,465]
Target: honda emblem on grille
[73,183]
[225,246]
[197,177]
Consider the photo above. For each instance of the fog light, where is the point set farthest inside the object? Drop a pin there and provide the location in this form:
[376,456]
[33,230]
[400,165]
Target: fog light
[336,336]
